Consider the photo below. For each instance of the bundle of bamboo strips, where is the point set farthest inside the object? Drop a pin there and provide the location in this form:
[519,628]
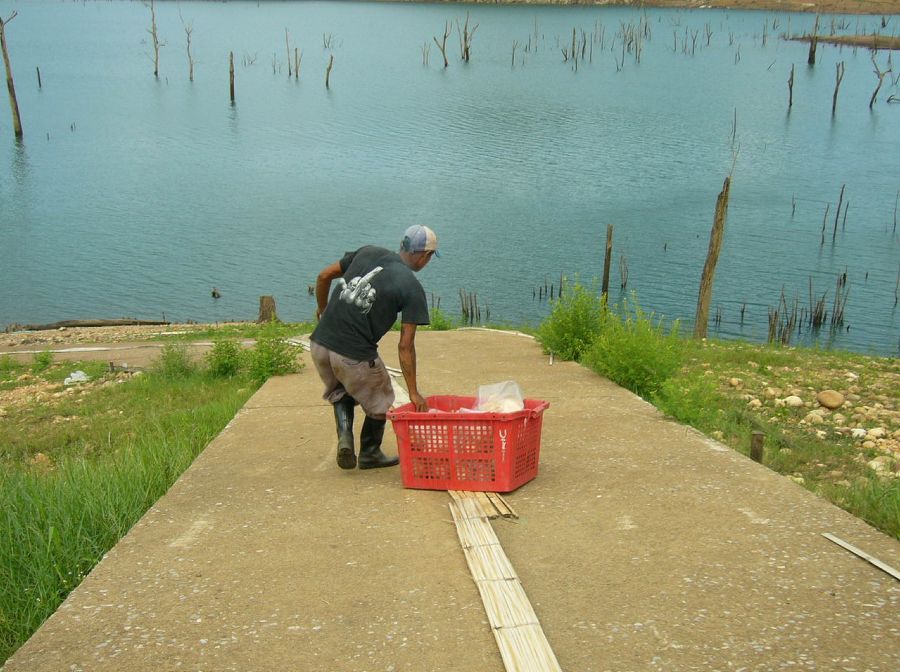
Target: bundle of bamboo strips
[522,643]
[491,504]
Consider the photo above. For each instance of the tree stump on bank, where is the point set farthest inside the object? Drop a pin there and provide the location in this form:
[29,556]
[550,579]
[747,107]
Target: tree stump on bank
[267,311]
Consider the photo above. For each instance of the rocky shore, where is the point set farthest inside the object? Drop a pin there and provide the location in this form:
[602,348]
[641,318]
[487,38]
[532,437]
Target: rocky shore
[884,7]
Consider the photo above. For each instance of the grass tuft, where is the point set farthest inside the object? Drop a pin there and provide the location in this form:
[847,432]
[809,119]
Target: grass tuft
[80,464]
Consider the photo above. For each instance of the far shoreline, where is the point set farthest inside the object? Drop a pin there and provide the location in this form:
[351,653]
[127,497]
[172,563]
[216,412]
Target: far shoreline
[859,7]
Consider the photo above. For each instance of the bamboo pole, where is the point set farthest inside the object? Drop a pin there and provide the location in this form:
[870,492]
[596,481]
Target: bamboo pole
[10,86]
[712,257]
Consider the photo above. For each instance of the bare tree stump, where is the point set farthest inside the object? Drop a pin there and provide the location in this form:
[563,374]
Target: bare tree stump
[756,446]
[712,257]
[267,311]
[606,260]
[10,87]
[813,43]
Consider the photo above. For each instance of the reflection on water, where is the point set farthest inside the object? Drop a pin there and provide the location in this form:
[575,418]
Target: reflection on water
[20,169]
[147,193]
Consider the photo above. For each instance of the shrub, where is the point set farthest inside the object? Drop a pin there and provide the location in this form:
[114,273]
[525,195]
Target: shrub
[174,362]
[224,360]
[633,350]
[272,356]
[691,400]
[440,321]
[575,321]
[41,361]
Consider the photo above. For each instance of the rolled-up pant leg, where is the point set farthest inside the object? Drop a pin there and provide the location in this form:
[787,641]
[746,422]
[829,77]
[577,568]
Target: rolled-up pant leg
[366,381]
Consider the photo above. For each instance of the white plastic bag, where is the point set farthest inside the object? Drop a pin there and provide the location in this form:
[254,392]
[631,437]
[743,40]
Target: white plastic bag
[76,377]
[505,397]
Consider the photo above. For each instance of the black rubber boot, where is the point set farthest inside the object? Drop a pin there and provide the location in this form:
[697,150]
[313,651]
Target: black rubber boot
[343,420]
[370,455]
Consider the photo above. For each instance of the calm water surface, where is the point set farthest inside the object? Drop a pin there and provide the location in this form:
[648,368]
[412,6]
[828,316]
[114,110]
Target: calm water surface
[134,196]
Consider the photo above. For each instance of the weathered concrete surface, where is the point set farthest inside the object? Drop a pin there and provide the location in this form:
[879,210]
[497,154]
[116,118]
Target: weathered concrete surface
[642,545]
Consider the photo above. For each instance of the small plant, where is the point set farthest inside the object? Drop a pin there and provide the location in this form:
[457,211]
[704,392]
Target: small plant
[440,321]
[41,361]
[272,356]
[634,350]
[691,400]
[9,368]
[224,360]
[575,321]
[174,362]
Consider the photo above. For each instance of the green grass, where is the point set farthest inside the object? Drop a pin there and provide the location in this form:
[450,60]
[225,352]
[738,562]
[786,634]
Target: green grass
[705,384]
[833,466]
[238,330]
[80,465]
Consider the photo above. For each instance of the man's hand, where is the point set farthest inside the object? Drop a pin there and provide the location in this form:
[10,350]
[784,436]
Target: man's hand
[407,353]
[419,402]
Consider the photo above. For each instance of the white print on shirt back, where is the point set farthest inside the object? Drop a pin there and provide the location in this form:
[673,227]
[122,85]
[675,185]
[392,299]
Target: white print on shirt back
[359,290]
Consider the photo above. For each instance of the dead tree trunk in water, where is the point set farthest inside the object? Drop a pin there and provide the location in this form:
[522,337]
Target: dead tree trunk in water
[188,30]
[155,37]
[442,45]
[604,289]
[465,38]
[813,43]
[328,71]
[712,257]
[231,75]
[13,103]
[880,75]
[267,312]
[287,46]
[838,76]
[837,215]
[791,88]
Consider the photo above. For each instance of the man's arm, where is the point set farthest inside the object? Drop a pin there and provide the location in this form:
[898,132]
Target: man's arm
[323,285]
[407,352]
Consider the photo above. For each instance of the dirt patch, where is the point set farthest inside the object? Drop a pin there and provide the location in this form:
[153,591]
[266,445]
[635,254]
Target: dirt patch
[37,340]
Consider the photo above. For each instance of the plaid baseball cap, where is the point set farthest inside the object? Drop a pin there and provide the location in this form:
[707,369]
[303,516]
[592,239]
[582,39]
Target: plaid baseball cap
[419,238]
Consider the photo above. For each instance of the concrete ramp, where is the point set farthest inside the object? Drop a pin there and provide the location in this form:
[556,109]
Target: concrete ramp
[641,545]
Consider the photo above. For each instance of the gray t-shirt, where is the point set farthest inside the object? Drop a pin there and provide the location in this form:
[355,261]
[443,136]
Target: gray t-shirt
[364,303]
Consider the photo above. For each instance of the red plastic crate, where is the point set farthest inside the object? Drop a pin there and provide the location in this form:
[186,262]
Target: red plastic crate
[444,450]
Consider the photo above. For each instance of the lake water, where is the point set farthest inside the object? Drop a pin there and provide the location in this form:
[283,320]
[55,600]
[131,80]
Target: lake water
[135,196]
